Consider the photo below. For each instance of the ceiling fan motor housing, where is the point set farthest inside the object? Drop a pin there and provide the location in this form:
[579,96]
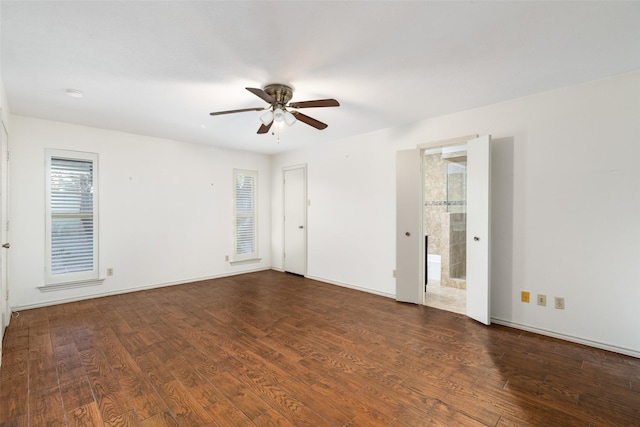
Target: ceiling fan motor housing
[281,93]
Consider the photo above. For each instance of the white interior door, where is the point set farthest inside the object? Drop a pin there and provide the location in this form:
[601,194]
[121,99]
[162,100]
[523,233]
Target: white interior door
[4,177]
[295,221]
[478,229]
[409,236]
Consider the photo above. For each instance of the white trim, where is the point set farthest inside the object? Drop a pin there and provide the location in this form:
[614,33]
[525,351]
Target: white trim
[245,261]
[292,167]
[497,321]
[302,166]
[570,338]
[236,258]
[350,286]
[70,285]
[446,142]
[4,224]
[84,276]
[427,148]
[129,290]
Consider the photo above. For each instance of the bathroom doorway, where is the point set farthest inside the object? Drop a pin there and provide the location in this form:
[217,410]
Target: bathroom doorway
[445,227]
[410,225]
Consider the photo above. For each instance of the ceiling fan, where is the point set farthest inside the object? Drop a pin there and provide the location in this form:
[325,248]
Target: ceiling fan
[277,96]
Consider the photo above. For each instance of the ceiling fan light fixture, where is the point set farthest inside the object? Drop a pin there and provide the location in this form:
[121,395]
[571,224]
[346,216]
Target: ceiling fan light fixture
[289,118]
[278,115]
[267,117]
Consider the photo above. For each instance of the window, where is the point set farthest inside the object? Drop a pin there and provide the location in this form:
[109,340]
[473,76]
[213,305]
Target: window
[245,185]
[72,221]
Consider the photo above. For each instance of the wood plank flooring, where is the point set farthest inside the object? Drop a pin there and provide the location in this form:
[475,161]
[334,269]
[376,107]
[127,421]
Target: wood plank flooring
[271,349]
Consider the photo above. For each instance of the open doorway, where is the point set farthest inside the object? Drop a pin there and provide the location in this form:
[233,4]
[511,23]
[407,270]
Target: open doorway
[410,235]
[445,227]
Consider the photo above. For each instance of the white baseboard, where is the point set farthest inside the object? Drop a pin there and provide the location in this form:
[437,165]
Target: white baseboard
[565,337]
[553,334]
[347,285]
[515,325]
[129,290]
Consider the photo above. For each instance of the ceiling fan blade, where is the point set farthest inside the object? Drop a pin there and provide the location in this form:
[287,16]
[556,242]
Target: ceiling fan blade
[315,103]
[262,94]
[242,110]
[265,128]
[309,120]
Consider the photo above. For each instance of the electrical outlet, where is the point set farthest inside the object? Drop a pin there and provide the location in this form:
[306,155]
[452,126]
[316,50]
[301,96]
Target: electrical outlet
[560,303]
[525,296]
[109,271]
[393,273]
[226,258]
[542,300]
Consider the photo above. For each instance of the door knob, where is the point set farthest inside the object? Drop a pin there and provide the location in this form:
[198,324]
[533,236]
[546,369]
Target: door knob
[476,238]
[407,234]
[6,245]
[301,226]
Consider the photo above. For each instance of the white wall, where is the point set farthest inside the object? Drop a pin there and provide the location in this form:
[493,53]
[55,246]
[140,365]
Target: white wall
[165,209]
[4,105]
[566,197]
[351,187]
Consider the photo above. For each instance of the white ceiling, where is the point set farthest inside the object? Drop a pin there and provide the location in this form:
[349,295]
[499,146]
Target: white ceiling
[159,67]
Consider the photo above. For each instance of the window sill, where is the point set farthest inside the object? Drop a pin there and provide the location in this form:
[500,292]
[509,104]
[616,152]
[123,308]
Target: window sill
[246,261]
[70,285]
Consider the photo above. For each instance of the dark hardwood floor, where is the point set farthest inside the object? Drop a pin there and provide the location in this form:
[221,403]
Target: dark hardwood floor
[271,349]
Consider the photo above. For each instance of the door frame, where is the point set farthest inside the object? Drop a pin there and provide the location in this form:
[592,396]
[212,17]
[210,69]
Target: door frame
[5,310]
[305,205]
[408,222]
[432,145]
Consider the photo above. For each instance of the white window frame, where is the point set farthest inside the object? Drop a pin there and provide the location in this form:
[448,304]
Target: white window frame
[82,278]
[247,256]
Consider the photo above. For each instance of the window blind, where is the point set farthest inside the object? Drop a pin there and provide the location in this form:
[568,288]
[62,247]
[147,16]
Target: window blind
[245,213]
[72,216]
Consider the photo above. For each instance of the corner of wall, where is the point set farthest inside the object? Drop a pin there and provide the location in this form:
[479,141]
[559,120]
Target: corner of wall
[4,105]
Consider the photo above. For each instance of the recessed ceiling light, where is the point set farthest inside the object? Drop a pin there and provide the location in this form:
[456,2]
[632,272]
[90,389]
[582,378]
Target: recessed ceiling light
[75,93]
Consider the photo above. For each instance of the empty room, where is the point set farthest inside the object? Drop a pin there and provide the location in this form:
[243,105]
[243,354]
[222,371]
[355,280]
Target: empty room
[319,213]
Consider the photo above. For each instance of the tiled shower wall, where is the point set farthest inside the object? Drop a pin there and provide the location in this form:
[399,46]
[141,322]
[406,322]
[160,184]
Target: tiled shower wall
[446,231]
[457,249]
[435,204]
